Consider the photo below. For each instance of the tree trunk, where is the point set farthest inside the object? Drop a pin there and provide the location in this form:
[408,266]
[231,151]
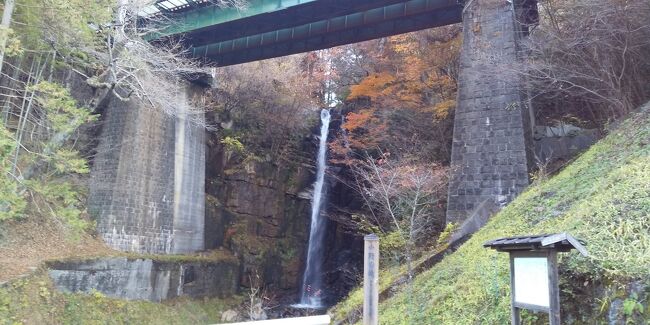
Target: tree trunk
[4,25]
[11,89]
[22,122]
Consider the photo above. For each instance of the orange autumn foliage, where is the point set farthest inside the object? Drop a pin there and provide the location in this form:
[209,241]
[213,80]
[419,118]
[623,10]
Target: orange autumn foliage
[413,67]
[366,130]
[405,92]
[354,120]
[372,86]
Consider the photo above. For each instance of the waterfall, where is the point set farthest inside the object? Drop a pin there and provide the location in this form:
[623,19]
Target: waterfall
[312,292]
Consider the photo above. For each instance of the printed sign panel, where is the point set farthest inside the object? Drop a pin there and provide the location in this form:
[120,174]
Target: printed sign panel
[531,281]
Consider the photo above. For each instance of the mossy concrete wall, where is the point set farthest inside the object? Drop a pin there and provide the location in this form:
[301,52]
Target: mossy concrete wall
[147,279]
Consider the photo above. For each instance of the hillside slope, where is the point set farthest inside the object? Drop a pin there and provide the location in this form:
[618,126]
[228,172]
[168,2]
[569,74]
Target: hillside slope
[603,198]
[26,244]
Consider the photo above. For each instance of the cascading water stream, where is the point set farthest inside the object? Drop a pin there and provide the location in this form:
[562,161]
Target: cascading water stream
[312,291]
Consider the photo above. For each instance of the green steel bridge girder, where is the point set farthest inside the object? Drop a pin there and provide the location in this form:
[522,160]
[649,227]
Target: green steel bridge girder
[273,28]
[206,16]
[197,18]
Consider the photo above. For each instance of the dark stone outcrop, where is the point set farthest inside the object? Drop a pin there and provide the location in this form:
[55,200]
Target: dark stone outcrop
[259,211]
[555,145]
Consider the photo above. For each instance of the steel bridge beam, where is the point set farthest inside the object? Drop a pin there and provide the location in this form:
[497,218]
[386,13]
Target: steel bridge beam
[273,28]
[398,18]
[208,24]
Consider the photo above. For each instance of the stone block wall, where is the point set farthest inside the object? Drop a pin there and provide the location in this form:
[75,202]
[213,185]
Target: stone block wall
[147,180]
[489,148]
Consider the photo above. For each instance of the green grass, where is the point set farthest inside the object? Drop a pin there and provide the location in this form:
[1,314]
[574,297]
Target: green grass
[603,198]
[34,300]
[354,300]
[388,277]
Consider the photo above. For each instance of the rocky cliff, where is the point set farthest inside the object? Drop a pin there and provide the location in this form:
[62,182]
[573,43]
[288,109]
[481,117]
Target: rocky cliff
[260,211]
[256,212]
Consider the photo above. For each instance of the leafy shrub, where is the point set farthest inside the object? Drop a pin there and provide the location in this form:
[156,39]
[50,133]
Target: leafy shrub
[12,203]
[41,168]
[232,145]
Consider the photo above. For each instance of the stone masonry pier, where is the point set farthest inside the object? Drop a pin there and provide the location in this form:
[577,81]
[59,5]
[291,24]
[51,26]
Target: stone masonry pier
[147,181]
[491,127]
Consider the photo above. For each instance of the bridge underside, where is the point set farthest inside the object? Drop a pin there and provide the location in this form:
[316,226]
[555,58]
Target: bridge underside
[301,27]
[492,128]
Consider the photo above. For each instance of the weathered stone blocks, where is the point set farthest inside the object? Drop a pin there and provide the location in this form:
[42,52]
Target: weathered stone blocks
[489,148]
[147,179]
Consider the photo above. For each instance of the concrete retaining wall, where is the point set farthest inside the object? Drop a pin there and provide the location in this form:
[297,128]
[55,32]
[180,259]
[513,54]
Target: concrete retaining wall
[146,279]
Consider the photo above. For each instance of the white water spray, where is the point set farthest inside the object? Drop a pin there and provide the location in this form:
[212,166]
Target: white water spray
[312,291]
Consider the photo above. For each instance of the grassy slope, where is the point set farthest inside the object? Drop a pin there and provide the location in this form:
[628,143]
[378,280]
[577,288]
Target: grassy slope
[33,300]
[603,198]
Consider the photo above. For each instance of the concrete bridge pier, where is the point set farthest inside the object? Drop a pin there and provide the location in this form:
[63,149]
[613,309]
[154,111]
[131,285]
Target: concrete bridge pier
[147,180]
[492,128]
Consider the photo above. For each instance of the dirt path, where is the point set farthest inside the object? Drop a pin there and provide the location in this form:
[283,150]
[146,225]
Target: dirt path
[25,245]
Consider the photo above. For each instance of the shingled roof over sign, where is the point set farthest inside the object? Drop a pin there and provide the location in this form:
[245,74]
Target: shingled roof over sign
[562,242]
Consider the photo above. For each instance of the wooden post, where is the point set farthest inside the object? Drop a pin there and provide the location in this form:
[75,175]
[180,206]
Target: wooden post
[554,289]
[371,280]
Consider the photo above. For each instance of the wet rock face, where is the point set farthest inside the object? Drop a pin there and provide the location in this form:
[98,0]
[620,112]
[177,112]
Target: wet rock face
[259,209]
[146,279]
[254,210]
[256,213]
[261,212]
[344,255]
[343,262]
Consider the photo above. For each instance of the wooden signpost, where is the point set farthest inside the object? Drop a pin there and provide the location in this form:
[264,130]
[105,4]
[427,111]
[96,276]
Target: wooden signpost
[534,273]
[371,280]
